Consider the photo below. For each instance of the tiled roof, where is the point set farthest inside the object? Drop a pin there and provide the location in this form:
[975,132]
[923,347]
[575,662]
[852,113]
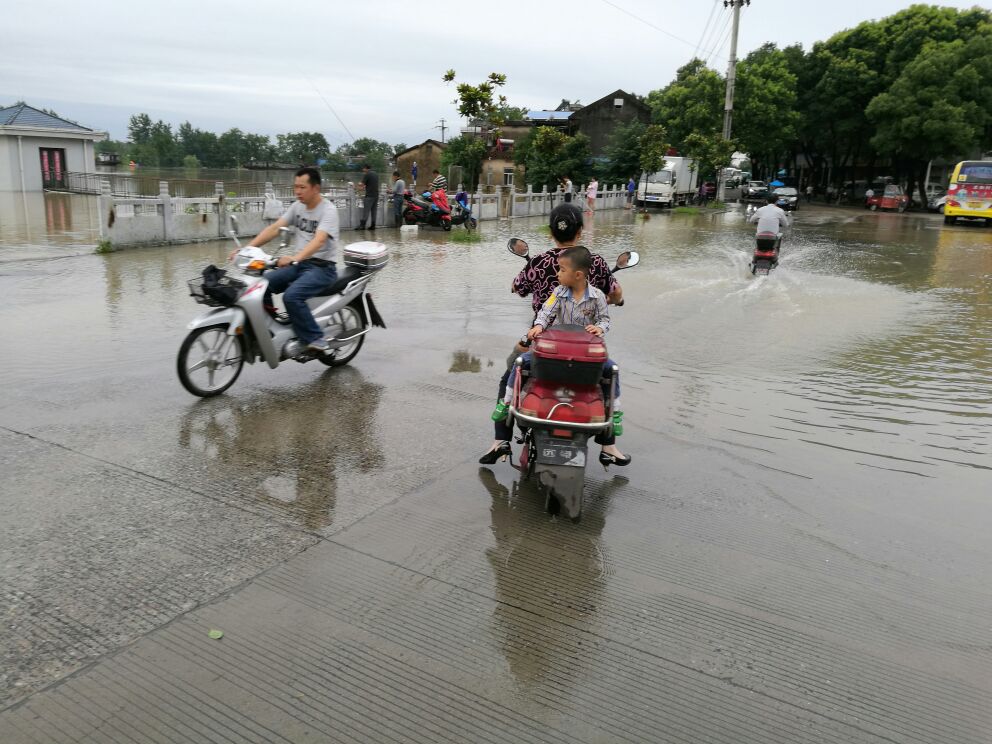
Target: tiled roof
[28,116]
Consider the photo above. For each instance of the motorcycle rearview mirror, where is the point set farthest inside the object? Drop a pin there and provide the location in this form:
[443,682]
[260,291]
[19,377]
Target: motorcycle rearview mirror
[233,232]
[518,247]
[627,260]
[284,236]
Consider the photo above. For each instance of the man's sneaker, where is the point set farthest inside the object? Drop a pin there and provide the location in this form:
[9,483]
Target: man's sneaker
[500,411]
[320,346]
[617,423]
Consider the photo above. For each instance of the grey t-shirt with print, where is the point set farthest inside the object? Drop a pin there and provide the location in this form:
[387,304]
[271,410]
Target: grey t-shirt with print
[308,221]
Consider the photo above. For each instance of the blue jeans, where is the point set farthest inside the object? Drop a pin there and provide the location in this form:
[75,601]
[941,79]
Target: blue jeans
[299,283]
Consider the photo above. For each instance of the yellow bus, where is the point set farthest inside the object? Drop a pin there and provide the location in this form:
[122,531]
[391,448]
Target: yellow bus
[970,192]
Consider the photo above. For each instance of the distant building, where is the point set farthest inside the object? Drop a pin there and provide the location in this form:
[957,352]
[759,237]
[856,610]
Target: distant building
[427,155]
[598,120]
[38,149]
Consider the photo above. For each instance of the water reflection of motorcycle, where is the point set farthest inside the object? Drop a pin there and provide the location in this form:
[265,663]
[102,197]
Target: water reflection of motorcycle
[239,328]
[564,399]
[429,208]
[291,447]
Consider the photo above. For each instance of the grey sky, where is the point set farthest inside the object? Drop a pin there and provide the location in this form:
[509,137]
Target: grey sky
[265,66]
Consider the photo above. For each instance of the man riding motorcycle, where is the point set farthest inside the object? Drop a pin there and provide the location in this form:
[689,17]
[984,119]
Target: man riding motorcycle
[772,220]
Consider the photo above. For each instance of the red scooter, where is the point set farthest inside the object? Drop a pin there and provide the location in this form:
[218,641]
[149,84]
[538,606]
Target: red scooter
[564,399]
[766,250]
[430,208]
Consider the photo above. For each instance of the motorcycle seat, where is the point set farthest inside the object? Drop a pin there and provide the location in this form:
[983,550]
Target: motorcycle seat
[349,274]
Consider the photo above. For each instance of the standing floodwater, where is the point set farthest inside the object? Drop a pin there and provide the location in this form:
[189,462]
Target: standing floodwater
[798,551]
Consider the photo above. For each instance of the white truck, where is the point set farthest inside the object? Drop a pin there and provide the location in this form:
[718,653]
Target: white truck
[673,185]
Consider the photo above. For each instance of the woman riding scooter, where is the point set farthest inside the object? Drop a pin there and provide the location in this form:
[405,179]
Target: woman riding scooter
[540,278]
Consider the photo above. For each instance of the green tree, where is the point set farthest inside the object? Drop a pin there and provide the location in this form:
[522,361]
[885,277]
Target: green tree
[549,155]
[139,129]
[940,106]
[230,148]
[765,118]
[690,104]
[710,151]
[258,148]
[302,147]
[372,151]
[468,152]
[624,152]
[653,146]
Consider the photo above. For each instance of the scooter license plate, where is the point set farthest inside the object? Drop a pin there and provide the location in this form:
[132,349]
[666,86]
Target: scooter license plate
[561,452]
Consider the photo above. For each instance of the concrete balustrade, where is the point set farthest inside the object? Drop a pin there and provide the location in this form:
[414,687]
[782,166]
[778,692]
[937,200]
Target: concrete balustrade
[163,219]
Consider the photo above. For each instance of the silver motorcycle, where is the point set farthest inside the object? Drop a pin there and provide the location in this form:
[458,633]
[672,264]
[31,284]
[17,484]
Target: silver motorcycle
[239,327]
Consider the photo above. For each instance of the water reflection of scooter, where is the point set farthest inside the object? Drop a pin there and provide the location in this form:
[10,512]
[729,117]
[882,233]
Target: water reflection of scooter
[291,447]
[535,577]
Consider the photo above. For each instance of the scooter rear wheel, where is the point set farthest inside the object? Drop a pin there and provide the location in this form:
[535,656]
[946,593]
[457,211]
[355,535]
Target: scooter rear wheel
[209,360]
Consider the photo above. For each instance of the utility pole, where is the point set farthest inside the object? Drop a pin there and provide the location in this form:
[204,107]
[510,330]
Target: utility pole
[728,106]
[442,127]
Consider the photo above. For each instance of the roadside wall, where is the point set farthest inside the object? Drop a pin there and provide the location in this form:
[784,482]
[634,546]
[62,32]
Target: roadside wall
[127,221]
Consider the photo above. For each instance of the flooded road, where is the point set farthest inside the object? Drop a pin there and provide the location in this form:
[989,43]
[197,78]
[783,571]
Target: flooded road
[798,552]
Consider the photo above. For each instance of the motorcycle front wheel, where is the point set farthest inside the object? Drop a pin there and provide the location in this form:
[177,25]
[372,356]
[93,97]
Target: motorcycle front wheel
[210,361]
[347,323]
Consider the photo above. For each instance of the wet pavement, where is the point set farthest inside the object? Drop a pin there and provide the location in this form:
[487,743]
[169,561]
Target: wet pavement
[798,553]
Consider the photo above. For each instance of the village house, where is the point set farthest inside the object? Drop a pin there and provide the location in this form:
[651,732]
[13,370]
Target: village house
[38,149]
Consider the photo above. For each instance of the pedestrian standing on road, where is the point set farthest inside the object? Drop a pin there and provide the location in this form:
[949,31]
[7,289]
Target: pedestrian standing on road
[399,188]
[869,193]
[370,202]
[440,183]
[591,190]
[809,193]
[413,174]
[631,188]
[569,189]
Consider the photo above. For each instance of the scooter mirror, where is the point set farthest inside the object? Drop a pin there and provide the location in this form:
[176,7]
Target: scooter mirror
[627,260]
[234,223]
[518,247]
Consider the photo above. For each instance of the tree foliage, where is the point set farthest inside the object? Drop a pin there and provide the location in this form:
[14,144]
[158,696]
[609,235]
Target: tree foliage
[468,152]
[549,155]
[690,104]
[624,153]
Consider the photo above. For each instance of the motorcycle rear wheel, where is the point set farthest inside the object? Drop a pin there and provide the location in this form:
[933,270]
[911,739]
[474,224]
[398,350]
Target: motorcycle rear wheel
[350,322]
[214,351]
[446,225]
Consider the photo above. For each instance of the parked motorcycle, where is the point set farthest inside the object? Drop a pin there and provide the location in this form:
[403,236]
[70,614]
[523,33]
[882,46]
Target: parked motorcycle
[239,328]
[766,250]
[560,403]
[461,213]
[429,208]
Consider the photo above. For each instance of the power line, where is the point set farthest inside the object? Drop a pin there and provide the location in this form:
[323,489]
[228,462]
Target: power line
[706,28]
[649,24]
[345,126]
[721,39]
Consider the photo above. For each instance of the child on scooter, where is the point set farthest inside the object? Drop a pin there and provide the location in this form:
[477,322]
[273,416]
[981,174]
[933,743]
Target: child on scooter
[573,301]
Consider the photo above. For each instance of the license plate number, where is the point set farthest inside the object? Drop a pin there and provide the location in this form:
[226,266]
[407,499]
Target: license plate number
[974,205]
[561,453]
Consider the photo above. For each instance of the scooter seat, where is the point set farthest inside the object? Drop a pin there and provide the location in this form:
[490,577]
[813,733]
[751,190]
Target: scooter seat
[349,274]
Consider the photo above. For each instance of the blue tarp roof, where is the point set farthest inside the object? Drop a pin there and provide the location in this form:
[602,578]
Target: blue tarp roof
[559,115]
[28,116]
